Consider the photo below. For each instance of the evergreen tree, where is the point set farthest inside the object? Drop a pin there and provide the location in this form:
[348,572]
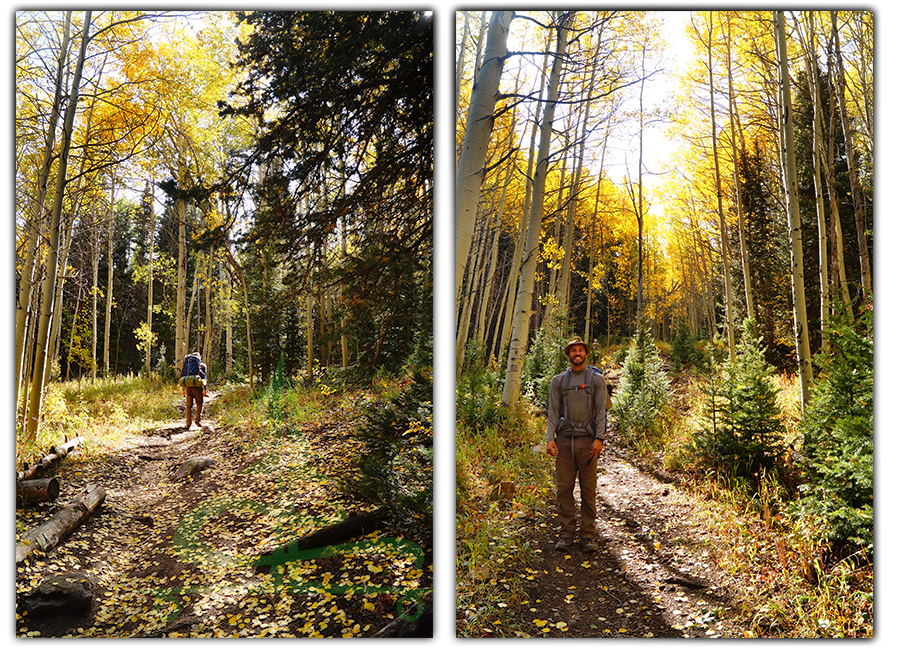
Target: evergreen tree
[644,391]
[838,432]
[744,432]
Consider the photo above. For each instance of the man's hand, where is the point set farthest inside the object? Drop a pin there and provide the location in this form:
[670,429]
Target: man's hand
[596,447]
[552,448]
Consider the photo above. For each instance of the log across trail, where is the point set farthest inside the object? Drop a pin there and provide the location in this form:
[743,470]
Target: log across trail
[177,555]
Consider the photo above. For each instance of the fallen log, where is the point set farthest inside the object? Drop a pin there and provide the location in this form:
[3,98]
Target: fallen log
[29,492]
[355,525]
[56,453]
[51,533]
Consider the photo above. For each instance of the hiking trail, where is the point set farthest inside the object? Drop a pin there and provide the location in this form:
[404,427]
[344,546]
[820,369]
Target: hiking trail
[165,556]
[654,576]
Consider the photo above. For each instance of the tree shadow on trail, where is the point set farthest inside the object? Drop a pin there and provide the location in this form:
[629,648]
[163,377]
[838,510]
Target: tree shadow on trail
[581,595]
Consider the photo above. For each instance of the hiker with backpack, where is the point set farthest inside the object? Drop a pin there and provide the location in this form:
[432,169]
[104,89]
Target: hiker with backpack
[193,380]
[576,427]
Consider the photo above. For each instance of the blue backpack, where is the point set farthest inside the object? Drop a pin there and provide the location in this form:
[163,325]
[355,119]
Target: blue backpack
[193,367]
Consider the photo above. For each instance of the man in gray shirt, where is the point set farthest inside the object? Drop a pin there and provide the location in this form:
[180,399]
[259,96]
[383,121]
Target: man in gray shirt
[576,426]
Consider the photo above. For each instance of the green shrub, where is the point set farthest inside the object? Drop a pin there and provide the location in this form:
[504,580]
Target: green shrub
[838,438]
[644,391]
[396,467]
[744,432]
[544,360]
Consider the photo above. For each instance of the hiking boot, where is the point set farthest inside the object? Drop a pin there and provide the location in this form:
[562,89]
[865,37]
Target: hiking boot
[563,544]
[590,546]
[198,424]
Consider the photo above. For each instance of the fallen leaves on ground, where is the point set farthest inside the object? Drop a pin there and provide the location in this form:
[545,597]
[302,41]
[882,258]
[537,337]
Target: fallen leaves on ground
[176,558]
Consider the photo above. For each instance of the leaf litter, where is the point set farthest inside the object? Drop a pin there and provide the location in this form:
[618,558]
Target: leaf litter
[175,559]
[653,577]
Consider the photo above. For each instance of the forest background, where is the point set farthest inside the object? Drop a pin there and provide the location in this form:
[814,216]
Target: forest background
[888,55]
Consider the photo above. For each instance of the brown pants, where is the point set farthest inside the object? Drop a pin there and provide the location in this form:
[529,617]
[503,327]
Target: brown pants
[574,460]
[193,395]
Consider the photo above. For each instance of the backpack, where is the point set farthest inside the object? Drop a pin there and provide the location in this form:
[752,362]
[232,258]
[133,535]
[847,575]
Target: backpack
[193,367]
[564,392]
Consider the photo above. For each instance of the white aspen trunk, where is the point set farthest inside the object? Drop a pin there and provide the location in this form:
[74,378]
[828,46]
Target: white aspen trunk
[856,193]
[479,124]
[729,315]
[109,276]
[181,342]
[33,416]
[34,226]
[590,279]
[732,116]
[812,81]
[790,183]
[516,264]
[522,313]
[461,59]
[565,291]
[151,241]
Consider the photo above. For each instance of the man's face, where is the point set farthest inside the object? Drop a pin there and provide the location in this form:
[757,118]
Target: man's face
[577,354]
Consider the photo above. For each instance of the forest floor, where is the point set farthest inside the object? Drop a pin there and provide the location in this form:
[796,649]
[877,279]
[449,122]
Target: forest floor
[169,557]
[654,576]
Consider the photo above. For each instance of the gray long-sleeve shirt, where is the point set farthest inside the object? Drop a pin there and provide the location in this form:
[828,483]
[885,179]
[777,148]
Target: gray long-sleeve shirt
[578,404]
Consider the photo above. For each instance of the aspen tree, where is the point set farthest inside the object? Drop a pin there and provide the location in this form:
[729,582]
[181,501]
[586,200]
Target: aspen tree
[855,191]
[33,416]
[793,204]
[522,313]
[479,124]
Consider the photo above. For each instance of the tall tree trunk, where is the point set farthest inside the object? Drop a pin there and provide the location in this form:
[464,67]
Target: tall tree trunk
[793,203]
[831,188]
[516,264]
[151,238]
[109,275]
[729,314]
[855,191]
[181,341]
[733,117]
[33,418]
[573,195]
[522,313]
[33,225]
[813,82]
[479,124]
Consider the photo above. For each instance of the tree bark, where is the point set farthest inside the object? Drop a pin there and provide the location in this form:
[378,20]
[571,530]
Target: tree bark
[33,225]
[729,314]
[522,313]
[790,184]
[33,417]
[735,126]
[354,525]
[56,453]
[51,533]
[29,492]
[479,124]
[855,191]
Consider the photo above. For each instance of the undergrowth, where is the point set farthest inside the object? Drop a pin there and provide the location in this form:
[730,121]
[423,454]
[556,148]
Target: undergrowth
[503,481]
[103,412]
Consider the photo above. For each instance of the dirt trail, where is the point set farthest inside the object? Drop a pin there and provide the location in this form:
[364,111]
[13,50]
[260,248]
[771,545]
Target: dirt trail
[169,557]
[654,575]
